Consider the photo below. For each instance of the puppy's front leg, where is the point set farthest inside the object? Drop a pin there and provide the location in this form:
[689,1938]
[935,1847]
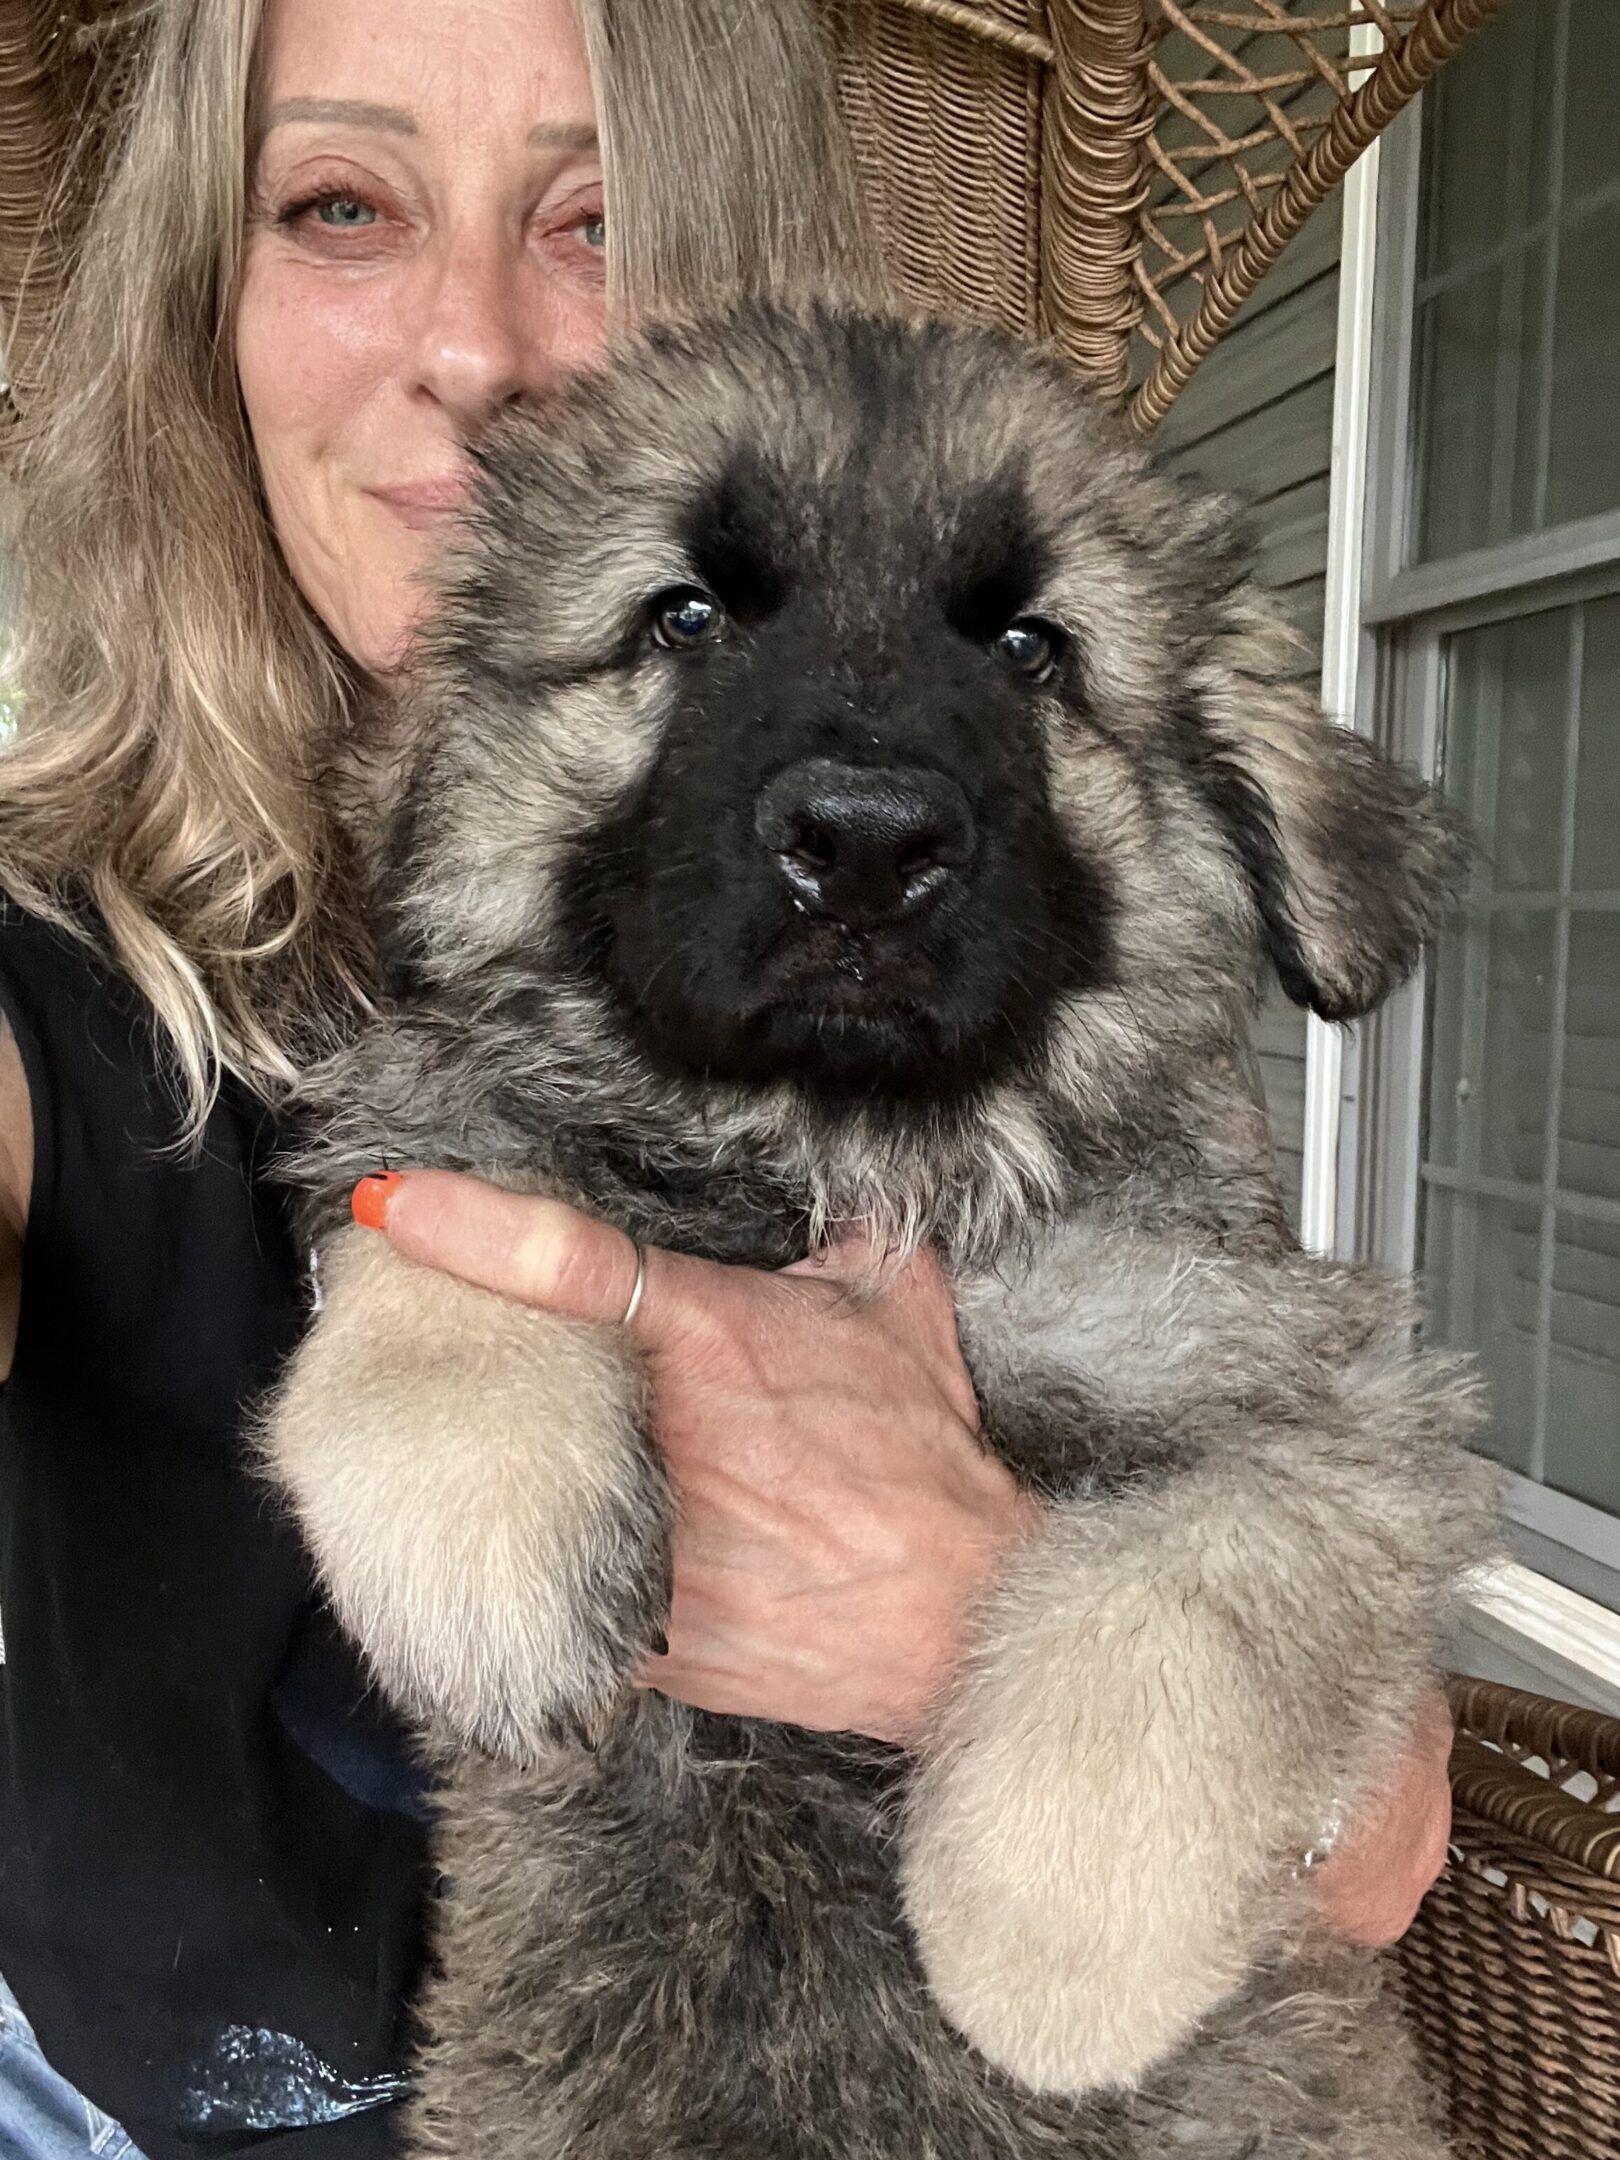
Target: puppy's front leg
[1172,1689]
[479,1491]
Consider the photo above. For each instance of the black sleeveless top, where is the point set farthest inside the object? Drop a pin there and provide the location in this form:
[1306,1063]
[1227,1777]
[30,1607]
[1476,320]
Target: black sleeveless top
[212,1848]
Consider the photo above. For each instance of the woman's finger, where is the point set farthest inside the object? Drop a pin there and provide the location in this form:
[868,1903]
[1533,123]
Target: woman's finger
[915,1292]
[851,1254]
[854,1259]
[535,1250]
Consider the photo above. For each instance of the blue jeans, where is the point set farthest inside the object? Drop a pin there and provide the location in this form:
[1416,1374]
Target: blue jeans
[43,2117]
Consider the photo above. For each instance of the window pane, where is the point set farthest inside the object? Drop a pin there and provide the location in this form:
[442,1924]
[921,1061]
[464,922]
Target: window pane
[1493,1011]
[1591,140]
[1508,695]
[1486,131]
[1521,1250]
[1518,298]
[1589,1099]
[1597,772]
[1479,389]
[1583,448]
[1481,1277]
[1583,1375]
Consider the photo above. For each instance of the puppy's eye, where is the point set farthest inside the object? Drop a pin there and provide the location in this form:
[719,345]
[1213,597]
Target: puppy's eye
[1031,646]
[685,617]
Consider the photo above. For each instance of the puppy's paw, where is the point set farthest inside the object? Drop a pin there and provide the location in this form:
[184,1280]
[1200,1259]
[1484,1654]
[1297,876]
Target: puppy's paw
[484,1504]
[1070,1953]
[1086,1847]
[599,1592]
[555,1590]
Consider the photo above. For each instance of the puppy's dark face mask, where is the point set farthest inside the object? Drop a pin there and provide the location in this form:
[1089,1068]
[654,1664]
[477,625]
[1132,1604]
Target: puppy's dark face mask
[841,865]
[828,703]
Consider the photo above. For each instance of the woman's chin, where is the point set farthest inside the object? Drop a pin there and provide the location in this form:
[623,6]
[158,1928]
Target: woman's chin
[378,632]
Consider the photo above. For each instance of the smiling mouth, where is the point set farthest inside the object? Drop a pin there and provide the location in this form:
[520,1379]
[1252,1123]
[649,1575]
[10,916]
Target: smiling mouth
[424,504]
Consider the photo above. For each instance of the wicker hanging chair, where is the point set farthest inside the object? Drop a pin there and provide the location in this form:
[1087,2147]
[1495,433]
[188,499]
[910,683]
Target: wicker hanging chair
[1117,175]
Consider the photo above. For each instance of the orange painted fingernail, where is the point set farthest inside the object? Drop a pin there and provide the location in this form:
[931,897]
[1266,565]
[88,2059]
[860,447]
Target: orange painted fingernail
[370,1198]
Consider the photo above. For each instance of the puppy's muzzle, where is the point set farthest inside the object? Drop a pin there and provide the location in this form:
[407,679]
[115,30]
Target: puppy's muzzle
[865,845]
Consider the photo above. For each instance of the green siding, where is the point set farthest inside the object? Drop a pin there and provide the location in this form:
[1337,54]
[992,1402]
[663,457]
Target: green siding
[1257,422]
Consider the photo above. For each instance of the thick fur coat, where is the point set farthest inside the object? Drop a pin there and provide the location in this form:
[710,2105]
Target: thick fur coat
[848,785]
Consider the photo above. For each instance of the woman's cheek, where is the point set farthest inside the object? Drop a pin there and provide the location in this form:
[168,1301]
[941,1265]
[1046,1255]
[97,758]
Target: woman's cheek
[581,337]
[316,358]
[313,347]
[567,320]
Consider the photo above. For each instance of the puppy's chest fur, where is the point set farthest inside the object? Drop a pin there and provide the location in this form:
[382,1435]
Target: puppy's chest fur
[1160,1255]
[704,1917]
[721,1896]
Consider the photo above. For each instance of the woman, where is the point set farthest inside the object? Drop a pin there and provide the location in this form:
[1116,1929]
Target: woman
[334,241]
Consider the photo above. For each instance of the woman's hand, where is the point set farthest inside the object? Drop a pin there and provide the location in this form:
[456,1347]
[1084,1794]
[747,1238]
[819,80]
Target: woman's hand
[1370,1886]
[838,1518]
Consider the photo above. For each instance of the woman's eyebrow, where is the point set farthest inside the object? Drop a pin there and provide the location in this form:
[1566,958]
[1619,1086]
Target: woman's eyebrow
[359,112]
[562,135]
[348,112]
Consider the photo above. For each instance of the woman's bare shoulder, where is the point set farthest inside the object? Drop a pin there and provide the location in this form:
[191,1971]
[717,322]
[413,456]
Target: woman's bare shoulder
[16,1181]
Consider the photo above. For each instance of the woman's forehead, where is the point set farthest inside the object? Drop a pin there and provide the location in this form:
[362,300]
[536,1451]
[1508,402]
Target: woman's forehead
[427,68]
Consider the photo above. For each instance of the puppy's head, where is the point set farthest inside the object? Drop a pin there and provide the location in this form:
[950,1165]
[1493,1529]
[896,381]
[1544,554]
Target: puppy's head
[837,706]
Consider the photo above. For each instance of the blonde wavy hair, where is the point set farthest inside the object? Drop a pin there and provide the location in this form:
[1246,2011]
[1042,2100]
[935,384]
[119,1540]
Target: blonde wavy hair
[176,689]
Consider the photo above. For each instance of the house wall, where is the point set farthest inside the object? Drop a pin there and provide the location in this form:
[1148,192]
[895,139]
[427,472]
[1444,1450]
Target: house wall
[1257,422]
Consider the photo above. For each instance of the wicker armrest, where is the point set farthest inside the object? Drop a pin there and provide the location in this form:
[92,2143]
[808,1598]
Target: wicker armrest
[1512,1972]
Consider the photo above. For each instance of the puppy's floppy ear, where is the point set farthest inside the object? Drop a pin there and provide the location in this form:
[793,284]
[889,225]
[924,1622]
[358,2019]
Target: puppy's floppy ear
[1354,861]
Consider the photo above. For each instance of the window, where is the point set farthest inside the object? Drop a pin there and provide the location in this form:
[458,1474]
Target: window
[1521,1158]
[1518,269]
[1491,1136]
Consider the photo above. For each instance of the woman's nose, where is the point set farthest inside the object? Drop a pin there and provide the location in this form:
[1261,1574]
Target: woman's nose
[472,354]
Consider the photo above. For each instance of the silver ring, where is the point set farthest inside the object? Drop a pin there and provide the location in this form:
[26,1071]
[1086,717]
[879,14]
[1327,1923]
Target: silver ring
[638,1286]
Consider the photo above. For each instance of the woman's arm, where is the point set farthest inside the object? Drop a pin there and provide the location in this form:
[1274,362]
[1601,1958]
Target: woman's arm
[16,1179]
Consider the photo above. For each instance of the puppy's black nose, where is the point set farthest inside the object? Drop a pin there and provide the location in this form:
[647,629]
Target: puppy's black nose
[866,844]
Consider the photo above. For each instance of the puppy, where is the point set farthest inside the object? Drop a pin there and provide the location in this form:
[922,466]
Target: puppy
[846,785]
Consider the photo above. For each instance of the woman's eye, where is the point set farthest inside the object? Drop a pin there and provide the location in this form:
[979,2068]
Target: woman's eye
[1031,646]
[686,617]
[343,213]
[332,210]
[593,231]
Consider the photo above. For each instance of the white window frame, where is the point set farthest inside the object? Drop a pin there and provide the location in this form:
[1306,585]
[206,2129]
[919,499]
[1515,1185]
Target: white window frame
[1382,647]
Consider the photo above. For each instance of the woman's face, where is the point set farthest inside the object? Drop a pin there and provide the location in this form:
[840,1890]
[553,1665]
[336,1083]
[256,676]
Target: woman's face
[424,245]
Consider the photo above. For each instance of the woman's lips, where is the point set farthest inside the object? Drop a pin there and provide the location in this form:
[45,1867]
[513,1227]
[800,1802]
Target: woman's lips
[423,504]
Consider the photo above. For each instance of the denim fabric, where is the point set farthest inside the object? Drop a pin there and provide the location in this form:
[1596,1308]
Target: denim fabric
[43,2117]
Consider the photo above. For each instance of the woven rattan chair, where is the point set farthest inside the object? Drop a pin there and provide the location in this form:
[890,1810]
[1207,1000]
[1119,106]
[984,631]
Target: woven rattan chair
[1118,175]
[1512,1973]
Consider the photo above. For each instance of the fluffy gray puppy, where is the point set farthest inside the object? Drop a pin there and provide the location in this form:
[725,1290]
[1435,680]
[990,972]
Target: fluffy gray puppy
[848,785]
